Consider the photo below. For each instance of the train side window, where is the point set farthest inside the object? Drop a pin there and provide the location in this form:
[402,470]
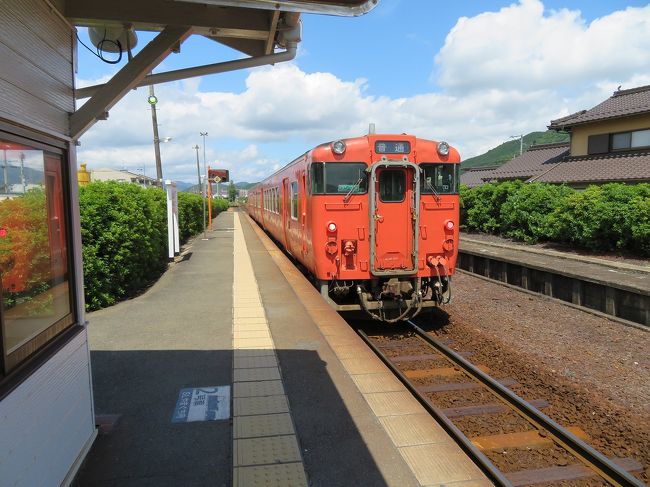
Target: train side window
[294,200]
[392,185]
[36,296]
[317,178]
[440,178]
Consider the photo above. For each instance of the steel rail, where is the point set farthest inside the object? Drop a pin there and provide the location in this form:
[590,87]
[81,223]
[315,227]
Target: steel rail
[481,461]
[587,454]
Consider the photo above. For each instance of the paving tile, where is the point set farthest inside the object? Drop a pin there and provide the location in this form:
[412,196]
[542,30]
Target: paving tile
[252,333]
[256,312]
[253,352]
[393,403]
[259,388]
[262,425]
[353,351]
[440,463]
[255,362]
[251,406]
[380,382]
[363,365]
[253,342]
[252,375]
[413,429]
[266,451]
[250,320]
[282,475]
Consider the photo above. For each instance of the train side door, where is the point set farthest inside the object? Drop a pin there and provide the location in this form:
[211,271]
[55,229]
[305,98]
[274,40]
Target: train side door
[286,210]
[302,209]
[54,202]
[394,219]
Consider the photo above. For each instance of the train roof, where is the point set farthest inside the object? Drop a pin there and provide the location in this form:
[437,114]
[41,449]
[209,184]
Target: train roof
[351,142]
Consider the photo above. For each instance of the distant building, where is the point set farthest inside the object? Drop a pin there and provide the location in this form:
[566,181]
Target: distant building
[123,176]
[608,143]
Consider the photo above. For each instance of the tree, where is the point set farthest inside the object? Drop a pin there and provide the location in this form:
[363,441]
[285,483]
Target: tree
[232,192]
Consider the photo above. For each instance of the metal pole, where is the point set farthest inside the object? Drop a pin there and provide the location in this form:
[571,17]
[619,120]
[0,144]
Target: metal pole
[22,172]
[5,174]
[156,139]
[198,168]
[203,134]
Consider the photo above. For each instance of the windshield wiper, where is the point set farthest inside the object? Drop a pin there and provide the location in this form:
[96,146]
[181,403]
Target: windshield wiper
[347,197]
[433,190]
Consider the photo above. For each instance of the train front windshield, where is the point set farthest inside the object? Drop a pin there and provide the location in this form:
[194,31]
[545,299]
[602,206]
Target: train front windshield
[440,178]
[338,178]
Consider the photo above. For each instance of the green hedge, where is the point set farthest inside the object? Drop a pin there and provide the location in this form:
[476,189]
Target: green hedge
[124,234]
[613,217]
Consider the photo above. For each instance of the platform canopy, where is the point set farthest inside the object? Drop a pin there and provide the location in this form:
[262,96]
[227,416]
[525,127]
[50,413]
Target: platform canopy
[253,27]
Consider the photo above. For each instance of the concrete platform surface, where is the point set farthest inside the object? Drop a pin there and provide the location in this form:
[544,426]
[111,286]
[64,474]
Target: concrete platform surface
[310,404]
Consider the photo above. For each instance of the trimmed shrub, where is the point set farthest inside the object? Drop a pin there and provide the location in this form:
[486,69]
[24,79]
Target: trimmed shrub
[124,235]
[482,206]
[609,217]
[613,217]
[525,213]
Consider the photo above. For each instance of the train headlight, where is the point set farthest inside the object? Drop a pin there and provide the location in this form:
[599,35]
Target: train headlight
[443,148]
[338,147]
[331,227]
[449,225]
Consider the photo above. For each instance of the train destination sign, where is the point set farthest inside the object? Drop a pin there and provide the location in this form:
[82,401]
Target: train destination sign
[392,147]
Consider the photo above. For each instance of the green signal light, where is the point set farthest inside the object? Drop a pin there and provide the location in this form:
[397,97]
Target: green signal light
[152,100]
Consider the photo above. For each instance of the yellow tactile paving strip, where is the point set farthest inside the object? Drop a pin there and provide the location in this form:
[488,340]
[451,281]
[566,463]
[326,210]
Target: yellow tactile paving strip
[434,458]
[265,447]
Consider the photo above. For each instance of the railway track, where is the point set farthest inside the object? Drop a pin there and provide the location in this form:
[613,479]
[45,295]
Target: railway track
[523,446]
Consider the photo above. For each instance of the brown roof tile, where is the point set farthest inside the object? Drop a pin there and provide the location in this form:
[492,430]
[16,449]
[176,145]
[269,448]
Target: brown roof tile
[621,104]
[536,160]
[474,176]
[597,169]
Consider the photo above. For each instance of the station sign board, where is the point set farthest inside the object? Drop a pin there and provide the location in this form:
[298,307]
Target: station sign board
[222,174]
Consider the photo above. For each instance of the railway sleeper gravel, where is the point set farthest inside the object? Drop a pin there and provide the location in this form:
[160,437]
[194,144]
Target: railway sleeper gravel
[535,439]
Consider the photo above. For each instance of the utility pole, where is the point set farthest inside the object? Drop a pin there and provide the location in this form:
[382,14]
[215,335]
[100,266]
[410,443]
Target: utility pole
[5,173]
[198,169]
[521,142]
[203,134]
[156,140]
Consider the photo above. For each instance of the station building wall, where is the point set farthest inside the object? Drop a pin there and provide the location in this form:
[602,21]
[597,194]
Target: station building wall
[46,410]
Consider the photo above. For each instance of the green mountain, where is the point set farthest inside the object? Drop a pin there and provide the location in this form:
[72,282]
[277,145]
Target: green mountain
[506,151]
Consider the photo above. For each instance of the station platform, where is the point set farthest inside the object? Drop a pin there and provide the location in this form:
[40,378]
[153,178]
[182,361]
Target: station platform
[309,404]
[614,289]
[624,275]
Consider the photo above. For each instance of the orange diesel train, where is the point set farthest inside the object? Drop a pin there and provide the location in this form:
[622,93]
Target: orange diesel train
[373,219]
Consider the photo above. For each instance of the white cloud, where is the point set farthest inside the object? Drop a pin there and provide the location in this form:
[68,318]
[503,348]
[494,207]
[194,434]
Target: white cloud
[501,73]
[525,47]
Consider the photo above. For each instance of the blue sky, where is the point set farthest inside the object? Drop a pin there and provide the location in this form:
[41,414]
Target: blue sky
[470,72]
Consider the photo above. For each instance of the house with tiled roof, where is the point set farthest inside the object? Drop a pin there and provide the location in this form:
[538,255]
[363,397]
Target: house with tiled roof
[608,143]
[474,176]
[536,161]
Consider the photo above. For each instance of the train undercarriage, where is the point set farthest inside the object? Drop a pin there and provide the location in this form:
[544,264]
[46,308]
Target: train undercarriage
[388,299]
